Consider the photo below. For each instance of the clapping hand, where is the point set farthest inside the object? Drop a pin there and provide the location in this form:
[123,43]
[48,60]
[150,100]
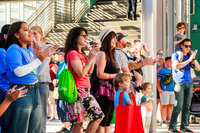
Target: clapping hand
[13,94]
[52,49]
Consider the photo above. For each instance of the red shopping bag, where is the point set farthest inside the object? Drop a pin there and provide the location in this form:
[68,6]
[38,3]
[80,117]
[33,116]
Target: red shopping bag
[128,118]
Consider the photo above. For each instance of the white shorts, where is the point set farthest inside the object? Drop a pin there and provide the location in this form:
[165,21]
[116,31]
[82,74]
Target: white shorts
[167,97]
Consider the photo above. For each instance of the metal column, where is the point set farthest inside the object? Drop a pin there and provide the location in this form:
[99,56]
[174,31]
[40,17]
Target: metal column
[150,37]
[170,27]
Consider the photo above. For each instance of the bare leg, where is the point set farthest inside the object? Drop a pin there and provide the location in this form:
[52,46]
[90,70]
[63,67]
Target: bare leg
[77,128]
[169,111]
[164,112]
[108,129]
[93,125]
[100,129]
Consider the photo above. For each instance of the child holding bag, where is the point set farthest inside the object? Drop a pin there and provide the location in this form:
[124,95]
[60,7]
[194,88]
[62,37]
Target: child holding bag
[128,115]
[122,83]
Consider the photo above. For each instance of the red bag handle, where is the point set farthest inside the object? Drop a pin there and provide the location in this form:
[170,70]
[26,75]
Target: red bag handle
[121,98]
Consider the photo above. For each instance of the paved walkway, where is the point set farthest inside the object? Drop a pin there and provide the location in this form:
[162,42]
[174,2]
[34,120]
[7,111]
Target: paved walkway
[55,125]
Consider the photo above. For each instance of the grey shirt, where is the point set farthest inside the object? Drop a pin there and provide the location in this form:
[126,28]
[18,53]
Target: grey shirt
[44,74]
[178,37]
[121,59]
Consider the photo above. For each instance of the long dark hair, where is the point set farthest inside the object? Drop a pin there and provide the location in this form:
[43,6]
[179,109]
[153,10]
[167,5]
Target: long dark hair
[71,41]
[106,47]
[4,31]
[11,39]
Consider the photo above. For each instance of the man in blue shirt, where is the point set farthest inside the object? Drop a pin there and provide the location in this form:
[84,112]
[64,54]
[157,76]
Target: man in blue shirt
[183,86]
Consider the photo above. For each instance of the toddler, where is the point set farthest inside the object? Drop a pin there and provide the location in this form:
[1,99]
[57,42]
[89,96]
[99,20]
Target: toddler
[178,38]
[139,46]
[146,106]
[136,74]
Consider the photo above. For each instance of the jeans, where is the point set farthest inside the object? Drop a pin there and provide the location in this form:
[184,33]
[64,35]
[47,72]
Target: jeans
[183,97]
[24,114]
[132,6]
[2,118]
[44,94]
[62,110]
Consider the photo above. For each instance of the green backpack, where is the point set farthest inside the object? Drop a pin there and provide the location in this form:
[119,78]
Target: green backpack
[67,89]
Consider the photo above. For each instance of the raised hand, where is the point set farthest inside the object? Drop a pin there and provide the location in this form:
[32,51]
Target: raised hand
[149,61]
[42,54]
[93,52]
[193,55]
[52,49]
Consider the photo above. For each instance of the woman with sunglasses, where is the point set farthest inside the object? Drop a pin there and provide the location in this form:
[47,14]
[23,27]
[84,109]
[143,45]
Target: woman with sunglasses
[24,114]
[86,107]
[160,56]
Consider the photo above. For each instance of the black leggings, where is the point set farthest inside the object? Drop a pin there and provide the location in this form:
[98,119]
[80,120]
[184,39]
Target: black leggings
[107,106]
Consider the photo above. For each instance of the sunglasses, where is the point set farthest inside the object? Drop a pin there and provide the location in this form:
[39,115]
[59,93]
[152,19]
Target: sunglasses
[186,46]
[85,36]
[161,53]
[181,27]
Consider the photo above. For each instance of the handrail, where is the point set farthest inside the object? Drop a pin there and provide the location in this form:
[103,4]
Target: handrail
[44,16]
[52,12]
[193,7]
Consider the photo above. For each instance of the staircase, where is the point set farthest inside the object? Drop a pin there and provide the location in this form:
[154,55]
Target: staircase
[106,13]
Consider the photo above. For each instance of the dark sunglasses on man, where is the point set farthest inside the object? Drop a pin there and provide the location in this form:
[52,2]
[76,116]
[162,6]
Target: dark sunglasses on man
[186,46]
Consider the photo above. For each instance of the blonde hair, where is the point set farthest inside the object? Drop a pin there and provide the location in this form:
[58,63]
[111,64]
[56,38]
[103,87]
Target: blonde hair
[120,78]
[38,29]
[159,51]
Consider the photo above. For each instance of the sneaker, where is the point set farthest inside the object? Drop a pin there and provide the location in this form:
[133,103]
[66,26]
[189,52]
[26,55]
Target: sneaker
[163,124]
[64,130]
[186,130]
[173,130]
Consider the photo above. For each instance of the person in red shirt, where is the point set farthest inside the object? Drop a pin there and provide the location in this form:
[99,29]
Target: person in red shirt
[86,106]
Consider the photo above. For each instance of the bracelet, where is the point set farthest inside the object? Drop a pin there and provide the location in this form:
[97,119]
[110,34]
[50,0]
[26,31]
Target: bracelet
[109,76]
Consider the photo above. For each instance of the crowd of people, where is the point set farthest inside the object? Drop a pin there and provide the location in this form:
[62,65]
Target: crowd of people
[30,69]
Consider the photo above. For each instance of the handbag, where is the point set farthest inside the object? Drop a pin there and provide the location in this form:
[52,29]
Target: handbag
[128,118]
[105,89]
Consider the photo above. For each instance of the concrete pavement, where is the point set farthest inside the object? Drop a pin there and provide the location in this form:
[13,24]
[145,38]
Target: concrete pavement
[55,125]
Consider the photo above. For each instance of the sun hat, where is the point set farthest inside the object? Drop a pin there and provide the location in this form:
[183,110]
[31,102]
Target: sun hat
[104,33]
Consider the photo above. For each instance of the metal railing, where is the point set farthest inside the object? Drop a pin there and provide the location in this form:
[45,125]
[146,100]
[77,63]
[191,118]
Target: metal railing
[52,12]
[44,16]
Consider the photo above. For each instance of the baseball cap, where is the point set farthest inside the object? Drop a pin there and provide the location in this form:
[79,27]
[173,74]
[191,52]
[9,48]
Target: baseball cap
[120,36]
[104,33]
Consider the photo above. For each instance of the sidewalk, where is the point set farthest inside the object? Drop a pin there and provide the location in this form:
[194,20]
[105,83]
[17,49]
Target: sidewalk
[55,125]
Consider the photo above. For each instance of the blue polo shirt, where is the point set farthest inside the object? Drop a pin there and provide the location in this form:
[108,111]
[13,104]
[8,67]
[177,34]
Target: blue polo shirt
[18,56]
[4,84]
[183,75]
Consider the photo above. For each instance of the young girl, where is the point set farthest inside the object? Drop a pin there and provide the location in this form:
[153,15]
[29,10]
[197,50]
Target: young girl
[122,83]
[24,114]
[146,106]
